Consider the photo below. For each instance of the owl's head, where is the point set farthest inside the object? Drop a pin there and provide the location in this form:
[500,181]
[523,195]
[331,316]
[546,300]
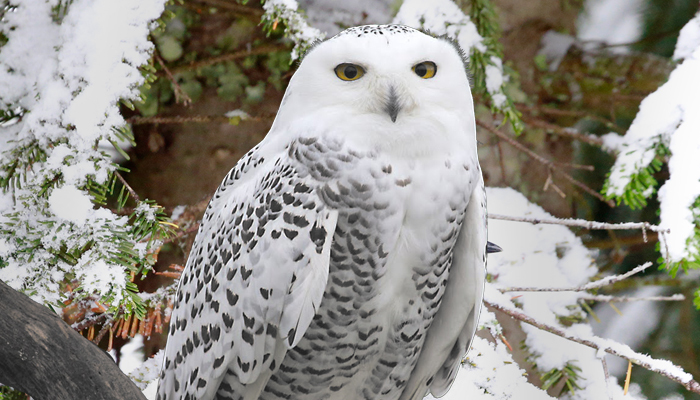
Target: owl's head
[381,76]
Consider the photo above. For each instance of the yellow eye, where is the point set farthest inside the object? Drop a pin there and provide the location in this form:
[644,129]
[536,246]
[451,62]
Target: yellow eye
[349,72]
[426,69]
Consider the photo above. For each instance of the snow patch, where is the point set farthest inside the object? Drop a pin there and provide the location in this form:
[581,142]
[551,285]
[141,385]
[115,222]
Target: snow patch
[669,117]
[70,203]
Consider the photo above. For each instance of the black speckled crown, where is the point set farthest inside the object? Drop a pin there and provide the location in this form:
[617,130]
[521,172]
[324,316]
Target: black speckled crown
[376,30]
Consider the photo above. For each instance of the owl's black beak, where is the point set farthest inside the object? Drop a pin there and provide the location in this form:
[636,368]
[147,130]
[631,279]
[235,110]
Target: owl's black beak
[493,248]
[392,105]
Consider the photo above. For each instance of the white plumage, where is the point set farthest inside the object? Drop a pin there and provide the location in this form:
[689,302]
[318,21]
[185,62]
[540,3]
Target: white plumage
[344,256]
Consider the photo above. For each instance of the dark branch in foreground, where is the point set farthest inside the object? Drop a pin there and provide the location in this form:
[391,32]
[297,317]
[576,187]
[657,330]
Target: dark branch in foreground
[43,357]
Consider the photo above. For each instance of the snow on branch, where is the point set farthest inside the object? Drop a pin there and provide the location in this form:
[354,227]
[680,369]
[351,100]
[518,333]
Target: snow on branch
[665,130]
[583,223]
[552,269]
[627,299]
[662,367]
[297,29]
[608,280]
[64,71]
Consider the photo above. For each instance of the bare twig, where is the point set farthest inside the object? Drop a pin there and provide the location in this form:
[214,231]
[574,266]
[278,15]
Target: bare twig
[228,57]
[548,163]
[608,280]
[549,182]
[582,223]
[182,233]
[177,89]
[571,113]
[574,166]
[500,161]
[674,373]
[131,191]
[177,119]
[569,132]
[105,328]
[88,322]
[234,8]
[607,376]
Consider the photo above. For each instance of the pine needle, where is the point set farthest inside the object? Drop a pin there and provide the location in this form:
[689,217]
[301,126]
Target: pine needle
[628,377]
[617,310]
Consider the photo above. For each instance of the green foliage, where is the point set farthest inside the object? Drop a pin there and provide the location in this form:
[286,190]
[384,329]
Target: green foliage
[693,242]
[576,316]
[568,375]
[278,63]
[294,26]
[230,79]
[642,185]
[7,393]
[662,20]
[484,16]
[642,182]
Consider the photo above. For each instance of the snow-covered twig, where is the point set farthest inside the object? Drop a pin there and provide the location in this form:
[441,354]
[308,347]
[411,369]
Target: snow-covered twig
[607,376]
[582,223]
[662,367]
[608,280]
[627,299]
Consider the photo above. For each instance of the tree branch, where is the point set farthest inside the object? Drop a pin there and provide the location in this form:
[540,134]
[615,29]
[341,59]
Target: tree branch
[627,299]
[548,163]
[608,280]
[668,369]
[583,223]
[179,119]
[228,57]
[568,132]
[43,357]
[180,94]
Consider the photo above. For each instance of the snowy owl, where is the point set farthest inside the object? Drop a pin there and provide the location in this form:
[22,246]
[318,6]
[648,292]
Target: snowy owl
[344,256]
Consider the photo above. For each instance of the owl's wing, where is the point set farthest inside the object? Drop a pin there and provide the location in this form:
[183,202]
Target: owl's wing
[253,281]
[453,328]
